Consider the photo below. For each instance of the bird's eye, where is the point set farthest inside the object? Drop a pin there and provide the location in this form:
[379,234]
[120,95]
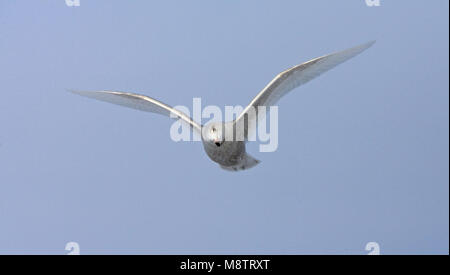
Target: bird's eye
[213,129]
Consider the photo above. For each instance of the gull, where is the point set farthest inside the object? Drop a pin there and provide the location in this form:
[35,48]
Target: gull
[228,152]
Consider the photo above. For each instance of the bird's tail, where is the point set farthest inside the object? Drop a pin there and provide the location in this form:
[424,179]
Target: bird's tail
[247,163]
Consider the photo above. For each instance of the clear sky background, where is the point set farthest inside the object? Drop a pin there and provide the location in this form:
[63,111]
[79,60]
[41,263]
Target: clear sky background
[363,150]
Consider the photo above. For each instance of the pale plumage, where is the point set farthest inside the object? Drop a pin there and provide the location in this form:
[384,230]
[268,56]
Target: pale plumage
[231,155]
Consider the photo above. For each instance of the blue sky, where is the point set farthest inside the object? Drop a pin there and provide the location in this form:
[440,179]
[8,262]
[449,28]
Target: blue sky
[362,155]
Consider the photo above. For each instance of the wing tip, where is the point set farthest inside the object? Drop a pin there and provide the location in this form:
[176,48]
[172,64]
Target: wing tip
[351,52]
[370,43]
[77,92]
[366,45]
[87,93]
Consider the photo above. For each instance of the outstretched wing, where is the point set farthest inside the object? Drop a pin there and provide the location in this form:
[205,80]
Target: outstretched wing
[139,102]
[294,77]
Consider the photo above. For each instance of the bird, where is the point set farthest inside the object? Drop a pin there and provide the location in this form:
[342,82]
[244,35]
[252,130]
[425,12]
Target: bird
[231,153]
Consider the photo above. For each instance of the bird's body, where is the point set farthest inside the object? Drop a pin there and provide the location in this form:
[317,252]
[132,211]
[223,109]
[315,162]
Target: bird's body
[220,138]
[228,152]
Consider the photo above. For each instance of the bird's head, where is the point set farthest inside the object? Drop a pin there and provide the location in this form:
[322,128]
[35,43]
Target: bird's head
[212,133]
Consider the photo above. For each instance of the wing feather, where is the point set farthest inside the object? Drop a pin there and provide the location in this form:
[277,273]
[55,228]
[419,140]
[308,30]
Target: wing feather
[298,75]
[139,102]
